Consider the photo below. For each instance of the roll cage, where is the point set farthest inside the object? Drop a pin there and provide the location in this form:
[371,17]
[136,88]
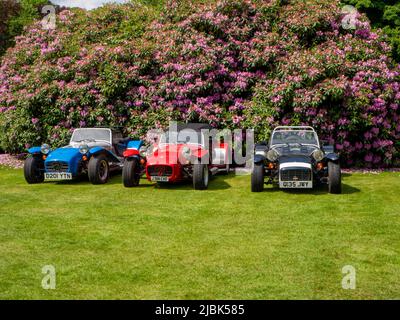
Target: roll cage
[295,129]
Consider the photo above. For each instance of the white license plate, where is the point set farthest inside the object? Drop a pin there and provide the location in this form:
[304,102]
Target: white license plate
[295,184]
[160,179]
[58,176]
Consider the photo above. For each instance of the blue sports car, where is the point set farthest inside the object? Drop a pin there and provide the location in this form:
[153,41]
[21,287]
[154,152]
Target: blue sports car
[94,152]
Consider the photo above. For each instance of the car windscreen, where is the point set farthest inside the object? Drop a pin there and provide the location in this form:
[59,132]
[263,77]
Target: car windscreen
[81,135]
[182,137]
[290,137]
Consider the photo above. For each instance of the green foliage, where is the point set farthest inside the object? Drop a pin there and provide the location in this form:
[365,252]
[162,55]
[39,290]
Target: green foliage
[234,64]
[15,15]
[384,14]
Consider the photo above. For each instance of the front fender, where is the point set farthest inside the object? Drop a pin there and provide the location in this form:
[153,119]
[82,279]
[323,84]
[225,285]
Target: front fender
[35,150]
[98,150]
[258,158]
[135,144]
[130,153]
[333,157]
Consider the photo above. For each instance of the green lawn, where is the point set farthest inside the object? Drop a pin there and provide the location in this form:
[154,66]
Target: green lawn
[176,243]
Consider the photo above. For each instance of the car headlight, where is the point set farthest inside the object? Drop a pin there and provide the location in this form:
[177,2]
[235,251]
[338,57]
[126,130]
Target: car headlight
[272,155]
[262,152]
[84,149]
[186,152]
[318,155]
[45,148]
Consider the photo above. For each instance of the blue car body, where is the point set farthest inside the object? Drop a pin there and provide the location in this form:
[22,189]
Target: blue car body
[70,160]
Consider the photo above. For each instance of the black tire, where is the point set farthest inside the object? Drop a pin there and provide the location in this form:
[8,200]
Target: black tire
[130,175]
[257,178]
[34,170]
[334,178]
[98,169]
[201,176]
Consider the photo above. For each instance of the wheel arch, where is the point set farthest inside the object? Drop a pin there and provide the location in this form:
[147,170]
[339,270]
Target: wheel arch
[332,157]
[109,155]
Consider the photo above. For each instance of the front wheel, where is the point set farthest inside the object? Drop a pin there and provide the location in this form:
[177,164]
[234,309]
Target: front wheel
[200,176]
[34,170]
[334,178]
[257,178]
[130,175]
[98,169]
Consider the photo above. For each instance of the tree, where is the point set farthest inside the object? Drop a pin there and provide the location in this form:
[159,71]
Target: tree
[14,16]
[384,14]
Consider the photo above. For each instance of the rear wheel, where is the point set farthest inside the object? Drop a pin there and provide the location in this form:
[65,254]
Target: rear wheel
[130,174]
[34,170]
[98,169]
[200,176]
[334,178]
[257,178]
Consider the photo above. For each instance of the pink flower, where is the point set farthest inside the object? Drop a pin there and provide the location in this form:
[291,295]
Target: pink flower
[369,157]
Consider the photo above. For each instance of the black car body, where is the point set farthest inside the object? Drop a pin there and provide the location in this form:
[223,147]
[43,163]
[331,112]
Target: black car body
[295,159]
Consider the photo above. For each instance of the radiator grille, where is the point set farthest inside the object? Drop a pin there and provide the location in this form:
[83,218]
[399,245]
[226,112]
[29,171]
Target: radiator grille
[161,171]
[296,175]
[57,166]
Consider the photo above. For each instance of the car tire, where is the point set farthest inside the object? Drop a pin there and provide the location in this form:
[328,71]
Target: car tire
[334,178]
[130,176]
[98,169]
[200,176]
[34,170]
[257,178]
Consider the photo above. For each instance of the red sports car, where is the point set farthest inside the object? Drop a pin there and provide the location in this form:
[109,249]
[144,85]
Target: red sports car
[187,152]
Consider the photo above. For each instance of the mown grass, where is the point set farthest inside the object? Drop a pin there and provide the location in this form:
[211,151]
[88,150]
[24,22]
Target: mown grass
[108,242]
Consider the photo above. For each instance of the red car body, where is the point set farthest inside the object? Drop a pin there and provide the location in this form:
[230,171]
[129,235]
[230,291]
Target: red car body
[167,163]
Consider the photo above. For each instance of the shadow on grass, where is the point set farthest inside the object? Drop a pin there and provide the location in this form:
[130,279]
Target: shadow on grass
[318,190]
[215,183]
[115,178]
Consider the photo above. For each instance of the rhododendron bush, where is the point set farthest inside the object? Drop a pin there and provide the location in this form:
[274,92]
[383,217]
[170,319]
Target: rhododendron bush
[234,64]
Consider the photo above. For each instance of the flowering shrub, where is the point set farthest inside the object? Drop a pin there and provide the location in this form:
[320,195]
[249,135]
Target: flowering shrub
[242,63]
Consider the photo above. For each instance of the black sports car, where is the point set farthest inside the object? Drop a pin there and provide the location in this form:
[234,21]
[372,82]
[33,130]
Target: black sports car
[294,159]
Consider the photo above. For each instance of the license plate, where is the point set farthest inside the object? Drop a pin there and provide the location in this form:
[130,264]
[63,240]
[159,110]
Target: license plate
[295,184]
[58,176]
[160,179]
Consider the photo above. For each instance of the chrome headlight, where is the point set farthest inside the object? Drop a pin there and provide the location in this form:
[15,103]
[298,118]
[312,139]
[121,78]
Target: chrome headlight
[186,152]
[318,155]
[84,149]
[262,152]
[45,148]
[272,155]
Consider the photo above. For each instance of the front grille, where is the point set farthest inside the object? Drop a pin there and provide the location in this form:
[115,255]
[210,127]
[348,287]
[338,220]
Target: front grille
[57,166]
[295,175]
[160,171]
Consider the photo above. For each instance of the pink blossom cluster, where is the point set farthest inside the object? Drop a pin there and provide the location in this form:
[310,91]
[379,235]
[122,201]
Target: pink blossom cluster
[235,64]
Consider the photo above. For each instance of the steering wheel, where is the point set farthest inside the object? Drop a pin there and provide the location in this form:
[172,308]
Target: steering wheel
[291,139]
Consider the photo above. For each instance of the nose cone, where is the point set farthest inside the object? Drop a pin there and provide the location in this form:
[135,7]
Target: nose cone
[72,156]
[63,154]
